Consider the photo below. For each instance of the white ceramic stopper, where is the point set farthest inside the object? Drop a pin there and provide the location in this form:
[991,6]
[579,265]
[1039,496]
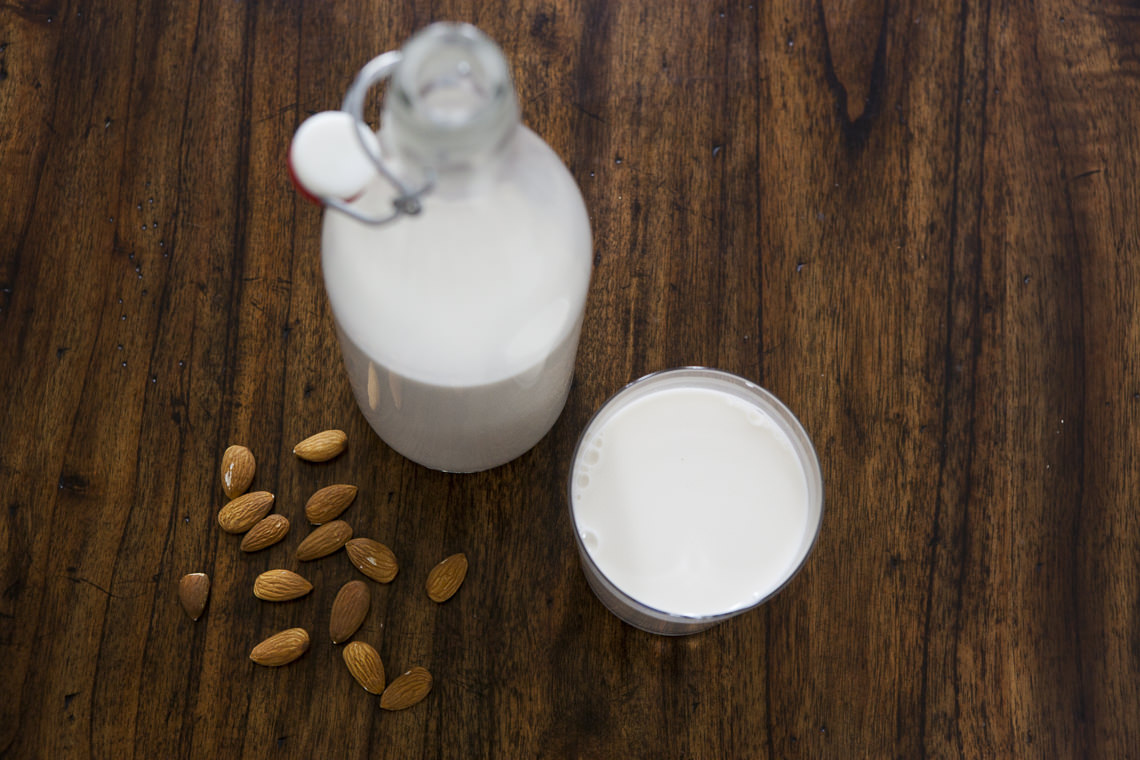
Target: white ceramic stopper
[326,157]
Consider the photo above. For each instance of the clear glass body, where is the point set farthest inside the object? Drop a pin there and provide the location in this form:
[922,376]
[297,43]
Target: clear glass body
[459,326]
[696,519]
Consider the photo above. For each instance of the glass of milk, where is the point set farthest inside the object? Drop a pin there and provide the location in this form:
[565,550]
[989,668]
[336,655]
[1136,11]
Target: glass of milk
[694,495]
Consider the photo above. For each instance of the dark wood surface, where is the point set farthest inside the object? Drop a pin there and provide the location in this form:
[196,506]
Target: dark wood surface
[917,223]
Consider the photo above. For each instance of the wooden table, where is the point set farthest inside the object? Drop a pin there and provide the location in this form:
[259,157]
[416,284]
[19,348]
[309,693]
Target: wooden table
[918,225]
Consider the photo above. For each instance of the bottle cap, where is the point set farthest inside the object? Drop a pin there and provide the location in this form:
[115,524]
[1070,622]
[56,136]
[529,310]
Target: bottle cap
[326,158]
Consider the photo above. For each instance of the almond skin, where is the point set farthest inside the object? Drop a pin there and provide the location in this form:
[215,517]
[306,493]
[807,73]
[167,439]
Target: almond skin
[324,540]
[327,503]
[242,513]
[406,690]
[281,648]
[373,387]
[372,558]
[193,591]
[280,586]
[322,446]
[446,577]
[349,610]
[266,532]
[364,663]
[238,466]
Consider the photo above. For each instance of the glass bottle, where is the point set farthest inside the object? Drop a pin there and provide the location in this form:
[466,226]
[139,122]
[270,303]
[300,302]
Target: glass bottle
[458,309]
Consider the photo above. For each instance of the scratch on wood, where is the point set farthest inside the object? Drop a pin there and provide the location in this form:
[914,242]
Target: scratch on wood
[1089,173]
[93,584]
[591,114]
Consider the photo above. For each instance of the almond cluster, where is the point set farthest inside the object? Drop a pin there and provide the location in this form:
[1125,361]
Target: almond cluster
[250,513]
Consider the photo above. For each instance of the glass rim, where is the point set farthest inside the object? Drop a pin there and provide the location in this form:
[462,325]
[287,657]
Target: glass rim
[679,623]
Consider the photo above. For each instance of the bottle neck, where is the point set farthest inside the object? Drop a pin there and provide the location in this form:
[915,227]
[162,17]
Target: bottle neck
[451,107]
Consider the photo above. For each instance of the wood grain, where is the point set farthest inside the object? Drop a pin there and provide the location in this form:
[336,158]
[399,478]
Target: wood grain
[917,223]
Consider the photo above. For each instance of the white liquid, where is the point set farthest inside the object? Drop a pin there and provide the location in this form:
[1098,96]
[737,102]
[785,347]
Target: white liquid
[459,327]
[692,501]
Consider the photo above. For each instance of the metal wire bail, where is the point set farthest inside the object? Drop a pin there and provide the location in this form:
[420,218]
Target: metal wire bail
[407,200]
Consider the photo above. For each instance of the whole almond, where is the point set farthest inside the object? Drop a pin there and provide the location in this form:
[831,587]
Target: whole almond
[193,591]
[364,663]
[242,513]
[446,577]
[322,446]
[373,387]
[238,466]
[349,610]
[327,503]
[406,690]
[281,648]
[266,532]
[372,558]
[280,586]
[324,540]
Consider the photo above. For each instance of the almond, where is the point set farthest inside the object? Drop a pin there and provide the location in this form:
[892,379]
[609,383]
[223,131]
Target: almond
[446,577]
[349,610]
[238,466]
[268,531]
[373,387]
[364,663]
[242,513]
[193,591]
[406,690]
[372,558]
[327,503]
[280,586]
[321,447]
[281,648]
[324,540]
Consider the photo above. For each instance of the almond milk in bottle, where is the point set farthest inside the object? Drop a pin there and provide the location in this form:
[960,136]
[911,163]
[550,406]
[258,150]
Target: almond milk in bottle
[456,253]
